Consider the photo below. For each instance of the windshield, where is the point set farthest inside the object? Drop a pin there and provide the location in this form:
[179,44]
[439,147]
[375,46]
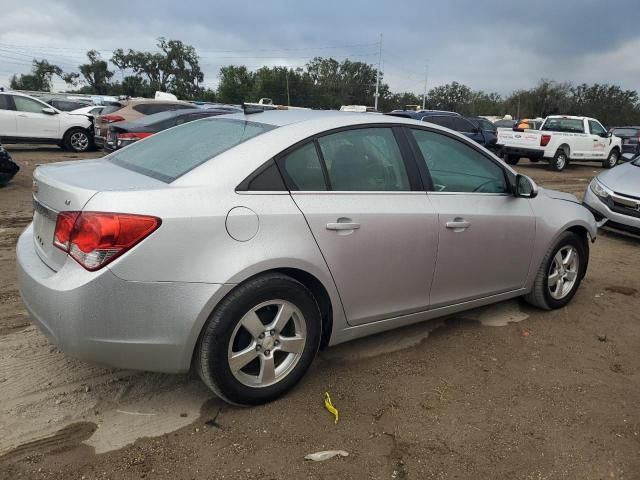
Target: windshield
[570,125]
[172,153]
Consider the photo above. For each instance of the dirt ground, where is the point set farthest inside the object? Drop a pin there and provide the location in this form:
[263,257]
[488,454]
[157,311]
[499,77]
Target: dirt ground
[507,391]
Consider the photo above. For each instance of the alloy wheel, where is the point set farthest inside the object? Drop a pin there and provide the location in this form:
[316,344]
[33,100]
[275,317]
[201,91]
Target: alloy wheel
[563,272]
[79,141]
[267,343]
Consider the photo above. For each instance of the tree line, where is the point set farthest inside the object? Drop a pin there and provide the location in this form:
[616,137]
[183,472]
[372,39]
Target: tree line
[323,83]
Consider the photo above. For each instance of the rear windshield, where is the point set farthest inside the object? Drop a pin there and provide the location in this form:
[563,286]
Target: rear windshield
[570,125]
[172,153]
[626,132]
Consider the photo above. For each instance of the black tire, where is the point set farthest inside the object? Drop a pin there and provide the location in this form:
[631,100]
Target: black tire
[77,140]
[559,161]
[540,296]
[534,160]
[211,359]
[612,160]
[512,159]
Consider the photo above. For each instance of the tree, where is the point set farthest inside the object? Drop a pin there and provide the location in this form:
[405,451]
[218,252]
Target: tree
[399,101]
[174,69]
[39,79]
[236,84]
[454,97]
[608,103]
[96,73]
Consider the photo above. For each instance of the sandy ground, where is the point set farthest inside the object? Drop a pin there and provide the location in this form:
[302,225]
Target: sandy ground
[547,395]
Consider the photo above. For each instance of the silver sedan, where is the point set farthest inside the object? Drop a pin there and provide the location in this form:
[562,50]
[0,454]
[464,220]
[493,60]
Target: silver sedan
[239,246]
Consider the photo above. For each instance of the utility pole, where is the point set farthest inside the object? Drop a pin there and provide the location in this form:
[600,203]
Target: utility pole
[377,94]
[426,78]
[288,98]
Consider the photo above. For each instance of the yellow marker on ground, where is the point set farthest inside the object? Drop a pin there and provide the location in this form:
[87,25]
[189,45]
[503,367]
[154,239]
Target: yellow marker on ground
[329,406]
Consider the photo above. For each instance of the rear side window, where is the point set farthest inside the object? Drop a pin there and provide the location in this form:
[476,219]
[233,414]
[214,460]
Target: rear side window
[172,153]
[443,121]
[568,125]
[366,159]
[5,103]
[462,125]
[302,169]
[456,167]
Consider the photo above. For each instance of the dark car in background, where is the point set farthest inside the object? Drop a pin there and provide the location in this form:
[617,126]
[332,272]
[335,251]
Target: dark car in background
[133,110]
[65,104]
[489,131]
[505,123]
[125,133]
[630,139]
[8,168]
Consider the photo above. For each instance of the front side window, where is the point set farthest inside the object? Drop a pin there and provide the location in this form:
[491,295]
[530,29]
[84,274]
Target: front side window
[5,103]
[172,153]
[302,169]
[462,125]
[596,128]
[456,167]
[24,104]
[365,159]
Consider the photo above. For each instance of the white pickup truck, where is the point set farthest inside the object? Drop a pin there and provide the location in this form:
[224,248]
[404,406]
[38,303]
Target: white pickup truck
[561,138]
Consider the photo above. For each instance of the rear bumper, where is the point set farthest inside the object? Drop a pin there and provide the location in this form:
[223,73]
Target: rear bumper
[601,210]
[522,152]
[98,317]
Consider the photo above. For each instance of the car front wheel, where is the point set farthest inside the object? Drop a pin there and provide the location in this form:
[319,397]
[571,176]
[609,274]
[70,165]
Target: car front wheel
[260,340]
[77,140]
[612,160]
[560,273]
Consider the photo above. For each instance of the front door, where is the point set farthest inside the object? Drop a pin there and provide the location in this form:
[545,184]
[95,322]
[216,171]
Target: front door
[32,122]
[375,229]
[485,234]
[599,141]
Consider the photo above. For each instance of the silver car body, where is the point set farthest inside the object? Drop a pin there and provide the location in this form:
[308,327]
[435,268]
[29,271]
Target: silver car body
[146,309]
[621,204]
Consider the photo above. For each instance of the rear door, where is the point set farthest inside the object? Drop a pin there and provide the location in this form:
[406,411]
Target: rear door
[7,117]
[599,141]
[32,122]
[376,230]
[485,234]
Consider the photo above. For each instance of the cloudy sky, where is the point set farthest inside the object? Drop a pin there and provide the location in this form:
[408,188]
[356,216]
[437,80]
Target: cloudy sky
[491,45]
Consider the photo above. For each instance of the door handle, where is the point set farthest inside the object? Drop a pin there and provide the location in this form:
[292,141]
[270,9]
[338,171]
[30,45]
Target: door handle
[343,226]
[595,139]
[458,224]
[21,115]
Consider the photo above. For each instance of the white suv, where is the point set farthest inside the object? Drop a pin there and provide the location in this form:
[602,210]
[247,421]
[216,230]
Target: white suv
[24,119]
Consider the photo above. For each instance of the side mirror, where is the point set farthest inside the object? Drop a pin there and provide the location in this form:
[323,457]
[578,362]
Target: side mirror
[525,187]
[49,110]
[609,135]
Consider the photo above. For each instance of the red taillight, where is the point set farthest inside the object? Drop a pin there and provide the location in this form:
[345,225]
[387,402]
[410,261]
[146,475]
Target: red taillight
[544,140]
[111,118]
[94,239]
[64,225]
[133,136]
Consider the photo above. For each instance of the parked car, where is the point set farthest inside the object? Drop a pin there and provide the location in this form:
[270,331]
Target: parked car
[24,119]
[561,138]
[122,134]
[630,139]
[95,110]
[8,168]
[505,123]
[421,114]
[241,244]
[614,196]
[133,110]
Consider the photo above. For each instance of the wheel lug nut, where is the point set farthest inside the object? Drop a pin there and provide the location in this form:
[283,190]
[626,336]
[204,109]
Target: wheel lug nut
[258,348]
[261,336]
[267,352]
[276,343]
[272,333]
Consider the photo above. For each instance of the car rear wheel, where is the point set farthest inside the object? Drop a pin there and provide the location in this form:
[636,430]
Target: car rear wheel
[559,161]
[77,140]
[560,273]
[260,340]
[512,159]
[612,159]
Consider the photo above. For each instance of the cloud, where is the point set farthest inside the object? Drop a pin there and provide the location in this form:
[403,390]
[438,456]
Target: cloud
[492,45]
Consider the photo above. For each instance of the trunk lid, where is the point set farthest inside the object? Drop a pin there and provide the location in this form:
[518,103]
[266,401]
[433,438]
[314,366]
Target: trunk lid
[68,186]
